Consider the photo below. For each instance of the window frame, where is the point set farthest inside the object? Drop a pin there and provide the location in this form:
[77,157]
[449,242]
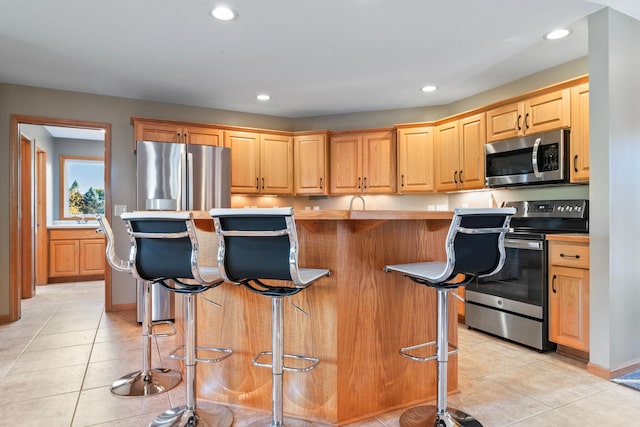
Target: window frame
[65,184]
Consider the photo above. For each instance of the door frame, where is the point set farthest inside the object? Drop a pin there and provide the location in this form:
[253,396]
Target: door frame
[15,245]
[41,246]
[27,284]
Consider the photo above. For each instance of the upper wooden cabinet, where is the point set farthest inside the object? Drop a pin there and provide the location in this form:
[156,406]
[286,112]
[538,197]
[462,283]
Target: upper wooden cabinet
[579,140]
[310,164]
[261,163]
[179,132]
[535,114]
[363,162]
[415,159]
[459,154]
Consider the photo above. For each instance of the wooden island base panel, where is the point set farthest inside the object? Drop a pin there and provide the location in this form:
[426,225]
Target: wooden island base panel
[358,319]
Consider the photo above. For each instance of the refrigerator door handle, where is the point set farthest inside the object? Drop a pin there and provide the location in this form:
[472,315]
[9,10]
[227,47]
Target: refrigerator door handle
[189,180]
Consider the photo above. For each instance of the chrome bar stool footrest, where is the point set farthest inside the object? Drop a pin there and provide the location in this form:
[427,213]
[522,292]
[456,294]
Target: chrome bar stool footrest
[163,334]
[314,361]
[226,353]
[208,414]
[427,415]
[405,351]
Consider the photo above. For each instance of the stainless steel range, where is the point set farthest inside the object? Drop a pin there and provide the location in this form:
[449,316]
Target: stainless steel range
[513,304]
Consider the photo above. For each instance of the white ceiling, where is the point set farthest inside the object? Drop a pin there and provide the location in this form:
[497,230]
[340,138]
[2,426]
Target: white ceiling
[314,57]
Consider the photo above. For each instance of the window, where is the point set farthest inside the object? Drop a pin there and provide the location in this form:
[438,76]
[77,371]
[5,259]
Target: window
[81,187]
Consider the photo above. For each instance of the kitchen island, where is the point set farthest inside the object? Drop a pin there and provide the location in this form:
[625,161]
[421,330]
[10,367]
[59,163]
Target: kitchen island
[358,319]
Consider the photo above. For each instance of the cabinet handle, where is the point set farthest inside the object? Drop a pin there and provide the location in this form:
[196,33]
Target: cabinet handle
[365,182]
[402,180]
[178,135]
[321,183]
[518,122]
[575,163]
[359,186]
[257,187]
[461,181]
[455,176]
[263,183]
[570,256]
[526,121]
[553,284]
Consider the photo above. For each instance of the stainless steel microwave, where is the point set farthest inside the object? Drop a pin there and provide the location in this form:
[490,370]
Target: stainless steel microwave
[532,159]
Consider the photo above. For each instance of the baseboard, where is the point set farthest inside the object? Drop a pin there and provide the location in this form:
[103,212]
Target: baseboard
[608,374]
[123,307]
[573,353]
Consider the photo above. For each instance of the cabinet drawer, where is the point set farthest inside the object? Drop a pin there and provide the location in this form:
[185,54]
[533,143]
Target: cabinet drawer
[569,254]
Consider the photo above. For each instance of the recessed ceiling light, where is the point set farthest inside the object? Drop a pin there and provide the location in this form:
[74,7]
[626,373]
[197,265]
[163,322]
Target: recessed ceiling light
[557,34]
[223,13]
[263,97]
[429,88]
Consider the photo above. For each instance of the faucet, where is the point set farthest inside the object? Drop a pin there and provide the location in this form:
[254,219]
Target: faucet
[356,197]
[82,219]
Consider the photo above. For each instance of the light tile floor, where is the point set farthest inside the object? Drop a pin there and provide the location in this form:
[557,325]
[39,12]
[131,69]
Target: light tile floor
[57,362]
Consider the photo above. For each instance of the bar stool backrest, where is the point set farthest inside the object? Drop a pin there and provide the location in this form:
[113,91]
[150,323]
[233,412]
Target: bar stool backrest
[475,242]
[163,245]
[257,244]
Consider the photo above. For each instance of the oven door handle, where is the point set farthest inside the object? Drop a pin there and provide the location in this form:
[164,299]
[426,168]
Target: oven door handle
[534,245]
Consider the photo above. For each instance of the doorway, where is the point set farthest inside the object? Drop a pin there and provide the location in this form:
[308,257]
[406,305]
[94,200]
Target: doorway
[28,231]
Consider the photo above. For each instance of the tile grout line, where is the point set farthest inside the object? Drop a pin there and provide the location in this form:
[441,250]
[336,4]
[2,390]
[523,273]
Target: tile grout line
[86,368]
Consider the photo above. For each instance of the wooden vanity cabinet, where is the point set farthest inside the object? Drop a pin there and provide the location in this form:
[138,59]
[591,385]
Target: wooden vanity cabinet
[363,162]
[535,114]
[310,164]
[76,254]
[569,294]
[261,163]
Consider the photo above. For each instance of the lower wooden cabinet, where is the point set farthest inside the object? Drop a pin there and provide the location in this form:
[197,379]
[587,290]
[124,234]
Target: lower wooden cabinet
[569,294]
[75,254]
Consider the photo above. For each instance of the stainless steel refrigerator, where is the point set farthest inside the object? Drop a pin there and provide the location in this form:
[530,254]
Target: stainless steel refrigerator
[179,177]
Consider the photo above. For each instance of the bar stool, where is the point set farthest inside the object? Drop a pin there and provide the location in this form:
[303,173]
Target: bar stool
[474,248]
[256,245]
[164,250]
[147,381]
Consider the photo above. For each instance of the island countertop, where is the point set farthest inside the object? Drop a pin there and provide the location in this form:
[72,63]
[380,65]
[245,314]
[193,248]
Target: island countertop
[356,320]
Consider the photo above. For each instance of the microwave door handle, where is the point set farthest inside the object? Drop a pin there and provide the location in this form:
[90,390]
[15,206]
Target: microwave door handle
[534,157]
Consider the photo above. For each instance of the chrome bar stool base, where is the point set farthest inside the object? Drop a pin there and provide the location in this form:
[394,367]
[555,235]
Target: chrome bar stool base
[427,416]
[286,422]
[154,381]
[207,415]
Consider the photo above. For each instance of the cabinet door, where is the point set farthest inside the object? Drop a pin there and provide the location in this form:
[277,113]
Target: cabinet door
[579,141]
[153,131]
[63,258]
[447,156]
[276,164]
[91,257]
[569,307]
[379,163]
[547,112]
[415,160]
[473,136]
[346,164]
[310,164]
[244,161]
[504,122]
[204,136]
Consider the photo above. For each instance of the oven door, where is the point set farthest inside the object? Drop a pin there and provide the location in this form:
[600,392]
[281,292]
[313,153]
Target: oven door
[520,287]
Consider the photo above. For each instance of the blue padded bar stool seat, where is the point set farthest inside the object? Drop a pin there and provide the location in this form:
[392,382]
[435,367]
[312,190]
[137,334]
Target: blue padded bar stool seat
[474,248]
[164,250]
[255,245]
[147,381]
